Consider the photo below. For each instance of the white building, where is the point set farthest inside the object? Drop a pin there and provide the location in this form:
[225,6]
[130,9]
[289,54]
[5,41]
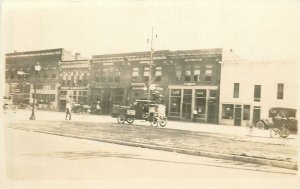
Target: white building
[249,89]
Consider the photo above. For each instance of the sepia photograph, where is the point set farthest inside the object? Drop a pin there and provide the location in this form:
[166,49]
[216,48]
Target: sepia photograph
[140,94]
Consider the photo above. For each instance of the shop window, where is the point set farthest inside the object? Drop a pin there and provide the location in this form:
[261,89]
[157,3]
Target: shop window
[280,87]
[227,111]
[236,90]
[246,112]
[175,102]
[200,102]
[257,93]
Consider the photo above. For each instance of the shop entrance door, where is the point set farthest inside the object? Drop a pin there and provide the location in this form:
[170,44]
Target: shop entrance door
[238,115]
[62,105]
[211,112]
[256,115]
[187,104]
[106,101]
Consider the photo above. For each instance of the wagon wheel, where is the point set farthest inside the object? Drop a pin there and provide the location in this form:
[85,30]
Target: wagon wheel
[130,120]
[121,118]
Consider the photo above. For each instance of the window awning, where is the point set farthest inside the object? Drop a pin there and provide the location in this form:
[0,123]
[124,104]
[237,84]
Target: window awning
[138,86]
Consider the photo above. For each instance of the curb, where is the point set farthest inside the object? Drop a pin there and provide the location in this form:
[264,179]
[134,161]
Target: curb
[246,159]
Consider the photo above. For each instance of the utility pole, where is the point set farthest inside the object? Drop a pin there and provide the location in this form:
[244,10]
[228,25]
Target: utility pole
[150,64]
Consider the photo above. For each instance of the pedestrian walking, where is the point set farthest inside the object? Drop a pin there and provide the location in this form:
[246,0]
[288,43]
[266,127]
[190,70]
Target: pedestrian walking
[68,111]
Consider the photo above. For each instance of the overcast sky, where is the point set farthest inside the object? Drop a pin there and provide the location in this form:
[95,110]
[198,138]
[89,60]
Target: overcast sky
[253,29]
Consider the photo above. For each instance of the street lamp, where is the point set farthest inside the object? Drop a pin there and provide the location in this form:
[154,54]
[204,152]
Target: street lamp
[37,68]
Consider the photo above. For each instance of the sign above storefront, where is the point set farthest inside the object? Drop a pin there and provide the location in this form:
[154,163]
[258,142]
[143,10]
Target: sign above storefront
[175,92]
[189,84]
[73,88]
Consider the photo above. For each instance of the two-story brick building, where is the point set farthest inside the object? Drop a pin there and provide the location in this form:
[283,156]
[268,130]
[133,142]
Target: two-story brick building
[20,76]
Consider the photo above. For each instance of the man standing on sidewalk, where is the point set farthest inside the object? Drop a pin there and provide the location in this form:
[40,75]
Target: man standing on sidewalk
[68,110]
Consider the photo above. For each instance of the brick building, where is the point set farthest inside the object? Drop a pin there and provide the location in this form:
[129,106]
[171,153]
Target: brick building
[20,76]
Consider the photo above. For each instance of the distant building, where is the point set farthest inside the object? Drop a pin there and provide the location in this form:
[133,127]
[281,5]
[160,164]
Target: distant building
[20,74]
[249,89]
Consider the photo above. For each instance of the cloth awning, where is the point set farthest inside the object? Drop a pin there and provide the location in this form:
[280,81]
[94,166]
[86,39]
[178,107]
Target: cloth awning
[139,86]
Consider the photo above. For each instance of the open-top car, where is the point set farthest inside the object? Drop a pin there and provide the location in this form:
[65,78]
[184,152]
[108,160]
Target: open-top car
[142,110]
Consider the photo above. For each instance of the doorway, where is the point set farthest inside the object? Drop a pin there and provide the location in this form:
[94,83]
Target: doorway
[256,115]
[238,115]
[187,104]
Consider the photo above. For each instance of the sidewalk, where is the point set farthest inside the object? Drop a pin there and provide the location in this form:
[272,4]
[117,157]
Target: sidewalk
[225,142]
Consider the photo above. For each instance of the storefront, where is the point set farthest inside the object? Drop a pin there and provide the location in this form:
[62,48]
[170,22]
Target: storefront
[108,97]
[194,103]
[77,95]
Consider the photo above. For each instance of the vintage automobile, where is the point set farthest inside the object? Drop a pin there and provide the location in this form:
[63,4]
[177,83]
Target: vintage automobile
[142,110]
[78,108]
[280,122]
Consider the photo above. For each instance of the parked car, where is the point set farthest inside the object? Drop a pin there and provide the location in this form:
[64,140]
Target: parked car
[279,113]
[78,108]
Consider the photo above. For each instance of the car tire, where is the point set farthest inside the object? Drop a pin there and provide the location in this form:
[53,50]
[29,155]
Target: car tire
[121,118]
[260,125]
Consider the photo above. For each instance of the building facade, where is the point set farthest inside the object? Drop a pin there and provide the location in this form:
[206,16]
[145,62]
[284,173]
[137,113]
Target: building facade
[193,85]
[248,90]
[20,76]
[74,79]
[188,80]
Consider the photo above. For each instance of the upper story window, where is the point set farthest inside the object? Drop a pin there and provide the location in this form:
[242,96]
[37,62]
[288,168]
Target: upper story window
[98,75]
[158,73]
[188,73]
[117,75]
[146,74]
[257,93]
[178,73]
[197,73]
[280,88]
[135,74]
[208,73]
[236,90]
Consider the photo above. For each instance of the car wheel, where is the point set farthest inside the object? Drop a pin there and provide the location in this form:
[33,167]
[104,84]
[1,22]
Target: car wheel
[260,125]
[121,118]
[130,120]
[275,133]
[162,122]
